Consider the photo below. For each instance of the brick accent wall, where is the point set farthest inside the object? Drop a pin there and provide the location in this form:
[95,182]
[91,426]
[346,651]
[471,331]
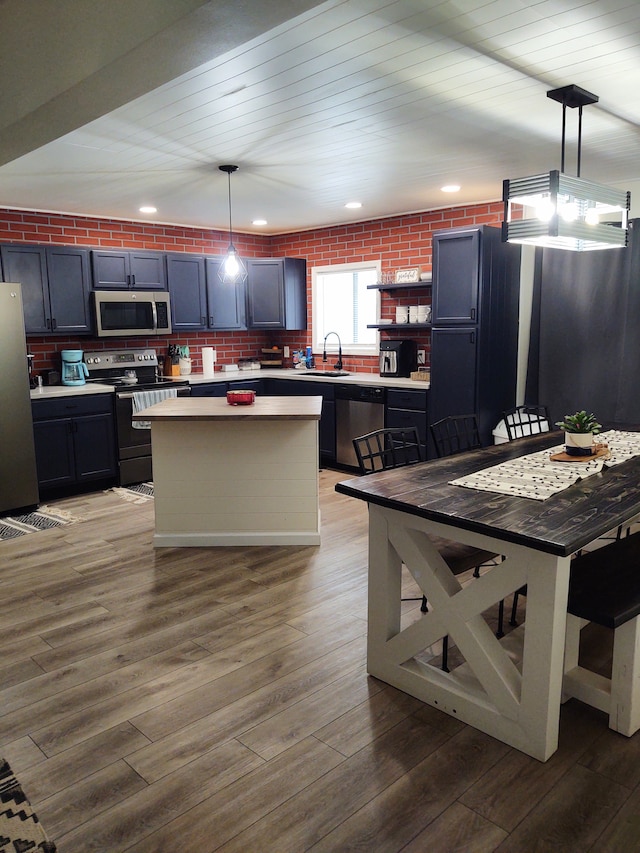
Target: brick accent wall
[401,241]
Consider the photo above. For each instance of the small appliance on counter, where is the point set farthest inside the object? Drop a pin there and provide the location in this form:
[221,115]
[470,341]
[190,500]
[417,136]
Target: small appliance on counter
[398,358]
[74,371]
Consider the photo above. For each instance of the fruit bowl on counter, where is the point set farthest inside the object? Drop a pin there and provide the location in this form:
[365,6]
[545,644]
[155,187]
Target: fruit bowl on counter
[241,397]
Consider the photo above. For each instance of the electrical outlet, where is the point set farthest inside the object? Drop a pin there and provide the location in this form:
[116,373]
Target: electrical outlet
[422,357]
[286,352]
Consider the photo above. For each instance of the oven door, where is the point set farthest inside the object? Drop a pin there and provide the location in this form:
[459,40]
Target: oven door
[134,444]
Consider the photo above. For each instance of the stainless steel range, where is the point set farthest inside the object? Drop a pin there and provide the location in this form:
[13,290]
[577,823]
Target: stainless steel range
[132,370]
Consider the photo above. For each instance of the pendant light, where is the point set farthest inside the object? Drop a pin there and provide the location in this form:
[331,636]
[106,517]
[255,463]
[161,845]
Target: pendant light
[568,212]
[231,270]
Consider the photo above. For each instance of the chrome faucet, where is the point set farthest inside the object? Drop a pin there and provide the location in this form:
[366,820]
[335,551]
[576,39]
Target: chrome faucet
[338,364]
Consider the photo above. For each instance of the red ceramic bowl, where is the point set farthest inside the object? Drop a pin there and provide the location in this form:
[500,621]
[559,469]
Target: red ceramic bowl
[241,398]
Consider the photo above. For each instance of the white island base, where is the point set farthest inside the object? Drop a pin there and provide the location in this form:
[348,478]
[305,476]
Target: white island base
[235,475]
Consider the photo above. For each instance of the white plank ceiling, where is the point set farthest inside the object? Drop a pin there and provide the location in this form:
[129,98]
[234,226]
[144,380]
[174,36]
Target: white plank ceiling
[108,106]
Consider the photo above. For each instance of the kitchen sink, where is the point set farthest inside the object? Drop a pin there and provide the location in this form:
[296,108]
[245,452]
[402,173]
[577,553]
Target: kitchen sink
[325,373]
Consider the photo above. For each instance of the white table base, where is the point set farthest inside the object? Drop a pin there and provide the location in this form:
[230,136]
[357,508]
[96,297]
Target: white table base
[512,694]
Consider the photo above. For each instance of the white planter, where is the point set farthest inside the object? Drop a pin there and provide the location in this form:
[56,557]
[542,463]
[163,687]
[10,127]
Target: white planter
[578,443]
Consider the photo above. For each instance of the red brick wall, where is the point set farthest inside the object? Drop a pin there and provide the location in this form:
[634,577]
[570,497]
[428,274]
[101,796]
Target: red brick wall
[401,241]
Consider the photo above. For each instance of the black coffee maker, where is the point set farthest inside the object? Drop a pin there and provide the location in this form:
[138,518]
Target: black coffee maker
[398,358]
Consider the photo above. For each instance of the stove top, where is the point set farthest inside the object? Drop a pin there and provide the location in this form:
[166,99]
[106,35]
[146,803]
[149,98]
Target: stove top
[109,367]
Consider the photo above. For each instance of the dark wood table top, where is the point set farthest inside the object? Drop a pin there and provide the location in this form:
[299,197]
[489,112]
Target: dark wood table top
[560,525]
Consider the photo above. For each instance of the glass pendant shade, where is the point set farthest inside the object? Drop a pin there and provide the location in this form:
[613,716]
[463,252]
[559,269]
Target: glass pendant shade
[563,212]
[560,211]
[231,270]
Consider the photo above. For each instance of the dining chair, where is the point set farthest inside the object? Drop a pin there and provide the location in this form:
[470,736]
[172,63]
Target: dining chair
[396,447]
[455,434]
[526,420]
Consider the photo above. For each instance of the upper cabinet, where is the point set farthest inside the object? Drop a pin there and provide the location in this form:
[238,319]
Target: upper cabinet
[55,286]
[188,290]
[128,270]
[277,293]
[456,271]
[226,302]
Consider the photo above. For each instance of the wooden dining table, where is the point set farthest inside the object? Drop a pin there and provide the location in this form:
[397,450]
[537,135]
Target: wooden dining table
[510,688]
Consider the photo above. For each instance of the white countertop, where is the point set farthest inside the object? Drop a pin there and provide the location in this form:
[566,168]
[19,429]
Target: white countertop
[372,379]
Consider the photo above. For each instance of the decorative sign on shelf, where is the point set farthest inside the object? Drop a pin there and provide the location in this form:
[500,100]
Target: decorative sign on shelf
[408,276]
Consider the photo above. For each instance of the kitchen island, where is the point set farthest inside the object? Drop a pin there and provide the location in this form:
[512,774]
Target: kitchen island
[235,475]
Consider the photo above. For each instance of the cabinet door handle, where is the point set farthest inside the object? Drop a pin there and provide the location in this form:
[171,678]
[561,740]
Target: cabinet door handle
[53,323]
[48,323]
[210,320]
[473,338]
[133,281]
[473,313]
[203,321]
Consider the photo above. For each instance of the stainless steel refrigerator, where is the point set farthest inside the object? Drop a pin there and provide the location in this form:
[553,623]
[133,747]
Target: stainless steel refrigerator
[18,476]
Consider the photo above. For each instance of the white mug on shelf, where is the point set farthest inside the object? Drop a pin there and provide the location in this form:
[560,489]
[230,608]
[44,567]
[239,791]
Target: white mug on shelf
[413,313]
[423,313]
[402,314]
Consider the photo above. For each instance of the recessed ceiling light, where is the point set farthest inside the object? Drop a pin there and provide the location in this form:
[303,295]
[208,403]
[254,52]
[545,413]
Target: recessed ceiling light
[450,188]
[148,208]
[259,222]
[353,205]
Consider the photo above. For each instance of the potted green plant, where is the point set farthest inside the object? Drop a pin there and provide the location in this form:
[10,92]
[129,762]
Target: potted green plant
[579,430]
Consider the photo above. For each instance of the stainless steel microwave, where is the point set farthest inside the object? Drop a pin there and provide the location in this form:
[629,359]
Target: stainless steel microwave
[132,312]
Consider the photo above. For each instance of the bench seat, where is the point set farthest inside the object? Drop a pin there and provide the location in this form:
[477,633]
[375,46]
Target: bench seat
[604,588]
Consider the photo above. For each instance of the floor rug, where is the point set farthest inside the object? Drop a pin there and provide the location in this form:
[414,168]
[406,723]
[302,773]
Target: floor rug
[45,518]
[139,493]
[20,829]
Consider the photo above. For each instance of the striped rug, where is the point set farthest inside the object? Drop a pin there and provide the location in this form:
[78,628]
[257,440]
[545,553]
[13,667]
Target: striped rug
[139,493]
[20,830]
[12,526]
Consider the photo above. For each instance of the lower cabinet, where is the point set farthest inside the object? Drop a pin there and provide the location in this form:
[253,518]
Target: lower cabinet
[219,389]
[408,409]
[209,389]
[74,439]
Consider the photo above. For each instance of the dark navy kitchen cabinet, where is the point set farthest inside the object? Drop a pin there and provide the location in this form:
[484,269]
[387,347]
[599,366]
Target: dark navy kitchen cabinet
[405,409]
[74,440]
[69,280]
[256,385]
[188,289]
[456,270]
[225,301]
[474,334]
[277,293]
[209,389]
[132,270]
[55,286]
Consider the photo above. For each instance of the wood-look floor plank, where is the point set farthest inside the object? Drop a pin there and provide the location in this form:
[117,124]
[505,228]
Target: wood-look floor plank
[396,815]
[216,698]
[457,830]
[572,817]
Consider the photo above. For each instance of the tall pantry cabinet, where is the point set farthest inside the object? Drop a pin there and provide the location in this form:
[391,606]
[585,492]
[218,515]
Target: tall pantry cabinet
[474,334]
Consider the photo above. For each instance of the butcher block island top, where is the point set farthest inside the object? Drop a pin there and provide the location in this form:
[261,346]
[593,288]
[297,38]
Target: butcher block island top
[235,474]
[217,408]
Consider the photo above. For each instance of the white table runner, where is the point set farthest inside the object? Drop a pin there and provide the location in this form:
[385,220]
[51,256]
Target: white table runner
[537,477]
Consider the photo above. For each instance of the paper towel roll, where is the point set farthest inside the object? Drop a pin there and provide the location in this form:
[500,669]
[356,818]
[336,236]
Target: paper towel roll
[208,361]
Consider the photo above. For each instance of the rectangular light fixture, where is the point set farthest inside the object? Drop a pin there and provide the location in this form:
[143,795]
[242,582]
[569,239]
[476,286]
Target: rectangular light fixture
[560,211]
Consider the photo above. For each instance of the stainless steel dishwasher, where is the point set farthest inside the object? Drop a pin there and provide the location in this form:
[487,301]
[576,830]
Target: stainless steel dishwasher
[359,410]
